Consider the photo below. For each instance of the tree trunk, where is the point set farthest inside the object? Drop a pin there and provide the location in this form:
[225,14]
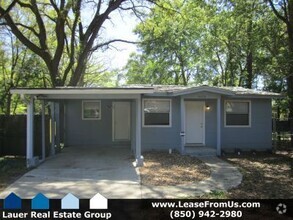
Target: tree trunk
[8,104]
[290,74]
[249,61]
[290,102]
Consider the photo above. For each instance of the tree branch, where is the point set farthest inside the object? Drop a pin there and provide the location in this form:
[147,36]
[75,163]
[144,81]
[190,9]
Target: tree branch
[20,36]
[54,6]
[24,5]
[112,41]
[277,13]
[76,10]
[27,27]
[42,30]
[8,8]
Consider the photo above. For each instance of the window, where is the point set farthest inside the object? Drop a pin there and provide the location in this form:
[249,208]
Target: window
[91,110]
[157,112]
[237,113]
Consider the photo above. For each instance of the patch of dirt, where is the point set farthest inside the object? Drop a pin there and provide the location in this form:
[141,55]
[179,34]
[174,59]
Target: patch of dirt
[11,168]
[164,169]
[265,175]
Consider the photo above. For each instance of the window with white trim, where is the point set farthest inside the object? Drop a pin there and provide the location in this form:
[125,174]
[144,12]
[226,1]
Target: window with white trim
[237,113]
[157,112]
[91,110]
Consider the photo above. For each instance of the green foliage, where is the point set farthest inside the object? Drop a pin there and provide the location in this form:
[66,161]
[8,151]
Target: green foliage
[18,68]
[223,43]
[169,52]
[64,34]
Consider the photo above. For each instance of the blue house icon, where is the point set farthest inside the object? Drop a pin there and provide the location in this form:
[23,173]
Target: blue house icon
[70,202]
[40,201]
[12,201]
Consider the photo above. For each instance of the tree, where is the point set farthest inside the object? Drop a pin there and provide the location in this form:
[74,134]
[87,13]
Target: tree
[60,32]
[284,12]
[18,68]
[214,42]
[169,43]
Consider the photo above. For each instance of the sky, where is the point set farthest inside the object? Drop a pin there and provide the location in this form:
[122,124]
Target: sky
[120,26]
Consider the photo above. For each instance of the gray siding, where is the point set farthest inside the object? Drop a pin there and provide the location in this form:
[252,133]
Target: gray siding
[80,132]
[163,138]
[258,136]
[89,132]
[211,124]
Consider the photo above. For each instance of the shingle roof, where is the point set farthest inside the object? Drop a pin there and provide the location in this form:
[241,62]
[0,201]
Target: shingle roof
[245,91]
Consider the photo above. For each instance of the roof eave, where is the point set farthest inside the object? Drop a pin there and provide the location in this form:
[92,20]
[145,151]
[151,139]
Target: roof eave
[80,91]
[261,96]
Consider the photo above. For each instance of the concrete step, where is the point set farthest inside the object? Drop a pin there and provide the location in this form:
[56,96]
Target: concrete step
[200,151]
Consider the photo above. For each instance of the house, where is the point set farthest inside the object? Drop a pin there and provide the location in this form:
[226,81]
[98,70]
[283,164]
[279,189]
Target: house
[70,201]
[40,201]
[154,117]
[98,202]
[12,201]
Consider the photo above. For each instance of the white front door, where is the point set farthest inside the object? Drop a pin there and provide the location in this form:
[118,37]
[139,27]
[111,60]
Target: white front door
[121,121]
[194,122]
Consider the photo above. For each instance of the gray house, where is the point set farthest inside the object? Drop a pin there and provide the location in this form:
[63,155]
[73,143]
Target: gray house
[154,118]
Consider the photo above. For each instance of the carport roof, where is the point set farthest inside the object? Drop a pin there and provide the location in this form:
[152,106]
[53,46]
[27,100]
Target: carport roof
[82,90]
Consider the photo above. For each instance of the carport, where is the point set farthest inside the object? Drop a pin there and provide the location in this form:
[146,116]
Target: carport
[59,101]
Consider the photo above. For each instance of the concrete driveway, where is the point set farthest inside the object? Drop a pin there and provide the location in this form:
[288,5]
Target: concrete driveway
[83,172]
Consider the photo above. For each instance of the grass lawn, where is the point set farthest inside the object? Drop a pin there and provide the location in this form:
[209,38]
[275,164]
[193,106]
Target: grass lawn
[11,168]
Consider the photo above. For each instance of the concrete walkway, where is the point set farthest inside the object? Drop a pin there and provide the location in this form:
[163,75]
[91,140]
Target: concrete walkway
[223,177]
[85,172]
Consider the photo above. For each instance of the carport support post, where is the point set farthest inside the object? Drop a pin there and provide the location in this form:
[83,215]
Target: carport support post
[57,120]
[52,151]
[219,126]
[43,131]
[30,133]
[138,156]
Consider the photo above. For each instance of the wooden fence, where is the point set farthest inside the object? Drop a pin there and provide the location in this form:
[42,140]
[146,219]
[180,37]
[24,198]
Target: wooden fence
[13,135]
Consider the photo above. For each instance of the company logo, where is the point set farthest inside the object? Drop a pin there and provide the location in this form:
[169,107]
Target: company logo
[13,208]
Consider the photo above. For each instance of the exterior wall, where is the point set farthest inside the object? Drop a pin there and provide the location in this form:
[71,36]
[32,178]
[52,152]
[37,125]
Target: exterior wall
[80,132]
[256,137]
[211,124]
[163,138]
[86,133]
